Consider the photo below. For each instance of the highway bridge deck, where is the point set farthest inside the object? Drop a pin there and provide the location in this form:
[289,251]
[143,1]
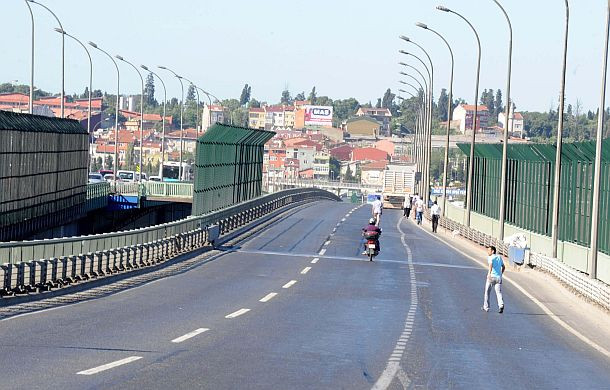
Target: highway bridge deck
[296,307]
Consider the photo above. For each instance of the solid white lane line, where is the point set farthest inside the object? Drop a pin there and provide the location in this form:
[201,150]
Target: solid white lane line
[305,270]
[322,252]
[327,242]
[267,297]
[189,335]
[237,313]
[343,220]
[289,284]
[108,366]
[314,261]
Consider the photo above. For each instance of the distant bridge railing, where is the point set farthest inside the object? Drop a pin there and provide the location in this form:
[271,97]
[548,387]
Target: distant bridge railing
[30,265]
[313,183]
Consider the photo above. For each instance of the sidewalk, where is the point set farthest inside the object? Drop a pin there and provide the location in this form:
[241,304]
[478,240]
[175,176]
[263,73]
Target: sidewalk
[585,320]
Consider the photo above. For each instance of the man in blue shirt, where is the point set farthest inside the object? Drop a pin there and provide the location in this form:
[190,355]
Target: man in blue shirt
[495,271]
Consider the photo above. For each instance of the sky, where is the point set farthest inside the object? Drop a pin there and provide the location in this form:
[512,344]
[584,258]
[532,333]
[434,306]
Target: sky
[343,48]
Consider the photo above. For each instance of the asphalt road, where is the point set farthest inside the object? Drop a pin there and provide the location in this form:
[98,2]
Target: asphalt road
[296,307]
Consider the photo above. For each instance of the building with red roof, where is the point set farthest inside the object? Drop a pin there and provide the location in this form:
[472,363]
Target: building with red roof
[342,153]
[369,154]
[465,114]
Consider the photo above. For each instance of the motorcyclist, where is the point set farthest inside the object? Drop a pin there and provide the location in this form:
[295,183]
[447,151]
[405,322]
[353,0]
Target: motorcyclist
[372,228]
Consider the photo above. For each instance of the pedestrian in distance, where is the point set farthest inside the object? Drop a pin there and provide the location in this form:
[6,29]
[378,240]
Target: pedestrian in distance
[495,271]
[435,212]
[406,206]
[419,210]
[377,209]
[413,203]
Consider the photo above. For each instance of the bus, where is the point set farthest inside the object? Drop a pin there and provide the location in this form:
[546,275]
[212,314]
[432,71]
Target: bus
[171,171]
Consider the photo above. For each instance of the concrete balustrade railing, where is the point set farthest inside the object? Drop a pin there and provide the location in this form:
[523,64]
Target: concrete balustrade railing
[42,264]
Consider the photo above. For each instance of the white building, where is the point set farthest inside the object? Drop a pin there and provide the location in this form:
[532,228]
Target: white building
[515,123]
[321,166]
[305,155]
[211,115]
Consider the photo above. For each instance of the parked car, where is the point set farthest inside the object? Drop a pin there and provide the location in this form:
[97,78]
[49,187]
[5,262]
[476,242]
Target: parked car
[109,177]
[95,178]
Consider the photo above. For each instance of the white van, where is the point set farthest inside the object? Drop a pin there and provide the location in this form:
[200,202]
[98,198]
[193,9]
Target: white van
[126,176]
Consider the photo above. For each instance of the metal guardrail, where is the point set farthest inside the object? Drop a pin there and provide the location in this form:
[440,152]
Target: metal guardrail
[322,183]
[31,265]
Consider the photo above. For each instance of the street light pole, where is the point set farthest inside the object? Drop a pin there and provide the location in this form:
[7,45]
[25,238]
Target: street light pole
[425,114]
[141,113]
[506,120]
[449,109]
[116,114]
[418,135]
[427,141]
[557,179]
[162,121]
[180,169]
[474,118]
[90,79]
[31,102]
[63,41]
[598,158]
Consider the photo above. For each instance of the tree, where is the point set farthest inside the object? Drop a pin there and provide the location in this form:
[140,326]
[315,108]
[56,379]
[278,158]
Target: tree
[348,176]
[313,96]
[85,94]
[286,98]
[190,94]
[388,99]
[149,91]
[254,104]
[97,93]
[443,103]
[300,96]
[245,95]
[499,104]
[378,105]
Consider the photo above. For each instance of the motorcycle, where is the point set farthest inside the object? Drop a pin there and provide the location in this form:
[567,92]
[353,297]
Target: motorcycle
[371,244]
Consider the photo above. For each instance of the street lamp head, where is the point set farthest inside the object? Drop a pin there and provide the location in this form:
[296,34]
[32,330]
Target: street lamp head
[59,30]
[161,67]
[118,57]
[442,8]
[402,63]
[404,74]
[404,38]
[402,52]
[402,82]
[145,68]
[422,25]
[400,98]
[402,90]
[92,44]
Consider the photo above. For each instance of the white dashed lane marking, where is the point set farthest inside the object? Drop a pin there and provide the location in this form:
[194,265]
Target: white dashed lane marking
[289,284]
[267,297]
[108,366]
[322,252]
[314,261]
[305,270]
[237,313]
[189,335]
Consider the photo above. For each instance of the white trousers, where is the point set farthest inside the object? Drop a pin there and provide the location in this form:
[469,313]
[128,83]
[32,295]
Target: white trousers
[496,283]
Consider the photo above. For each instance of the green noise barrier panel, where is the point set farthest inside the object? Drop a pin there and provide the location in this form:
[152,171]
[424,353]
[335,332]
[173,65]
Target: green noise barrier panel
[530,181]
[228,167]
[43,173]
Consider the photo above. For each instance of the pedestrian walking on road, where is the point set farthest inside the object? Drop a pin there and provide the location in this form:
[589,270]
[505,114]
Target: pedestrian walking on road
[377,208]
[494,279]
[406,206]
[435,212]
[419,210]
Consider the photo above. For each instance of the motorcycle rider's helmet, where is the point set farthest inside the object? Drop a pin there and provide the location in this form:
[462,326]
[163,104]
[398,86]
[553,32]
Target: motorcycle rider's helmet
[372,221]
